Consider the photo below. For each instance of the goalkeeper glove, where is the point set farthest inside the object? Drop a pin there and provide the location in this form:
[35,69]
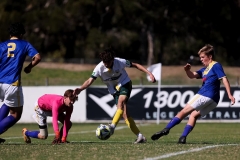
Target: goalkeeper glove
[57,138]
[64,140]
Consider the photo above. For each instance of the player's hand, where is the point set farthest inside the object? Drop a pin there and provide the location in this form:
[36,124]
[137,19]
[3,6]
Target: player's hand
[187,67]
[232,100]
[57,138]
[76,91]
[27,69]
[64,140]
[153,80]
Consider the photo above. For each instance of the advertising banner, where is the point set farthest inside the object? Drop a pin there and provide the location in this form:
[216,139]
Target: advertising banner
[145,101]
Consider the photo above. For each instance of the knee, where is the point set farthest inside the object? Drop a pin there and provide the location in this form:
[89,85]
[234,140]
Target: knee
[42,136]
[194,115]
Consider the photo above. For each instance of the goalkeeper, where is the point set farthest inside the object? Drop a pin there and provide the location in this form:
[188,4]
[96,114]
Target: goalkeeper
[112,72]
[55,106]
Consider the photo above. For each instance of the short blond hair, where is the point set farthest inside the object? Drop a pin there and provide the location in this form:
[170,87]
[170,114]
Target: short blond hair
[208,50]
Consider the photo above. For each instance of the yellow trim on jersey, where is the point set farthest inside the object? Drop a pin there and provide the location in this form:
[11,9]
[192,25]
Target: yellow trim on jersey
[17,83]
[209,67]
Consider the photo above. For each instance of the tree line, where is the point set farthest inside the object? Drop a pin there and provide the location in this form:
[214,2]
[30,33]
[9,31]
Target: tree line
[146,31]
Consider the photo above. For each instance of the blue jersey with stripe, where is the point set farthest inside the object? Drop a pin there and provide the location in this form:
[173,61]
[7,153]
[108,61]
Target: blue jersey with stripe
[12,56]
[211,77]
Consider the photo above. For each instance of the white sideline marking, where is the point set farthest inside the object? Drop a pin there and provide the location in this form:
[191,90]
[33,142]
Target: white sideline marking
[82,132]
[187,151]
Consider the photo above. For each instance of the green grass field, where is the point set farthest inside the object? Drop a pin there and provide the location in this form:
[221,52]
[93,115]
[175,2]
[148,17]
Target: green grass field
[208,141]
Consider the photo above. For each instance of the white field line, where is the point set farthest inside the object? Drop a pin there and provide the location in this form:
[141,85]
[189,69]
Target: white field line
[185,152]
[81,132]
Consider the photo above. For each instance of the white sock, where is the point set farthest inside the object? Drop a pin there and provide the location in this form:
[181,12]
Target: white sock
[113,125]
[139,134]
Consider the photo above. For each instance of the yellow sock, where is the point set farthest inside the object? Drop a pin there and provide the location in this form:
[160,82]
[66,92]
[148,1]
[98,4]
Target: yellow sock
[117,117]
[131,124]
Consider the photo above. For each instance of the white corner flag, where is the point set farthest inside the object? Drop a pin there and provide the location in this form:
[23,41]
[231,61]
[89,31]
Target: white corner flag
[156,70]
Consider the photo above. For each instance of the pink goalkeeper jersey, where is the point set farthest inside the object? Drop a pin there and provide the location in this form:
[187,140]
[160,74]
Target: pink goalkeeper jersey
[55,104]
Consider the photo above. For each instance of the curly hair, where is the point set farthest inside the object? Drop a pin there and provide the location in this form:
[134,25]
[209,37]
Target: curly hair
[107,55]
[16,29]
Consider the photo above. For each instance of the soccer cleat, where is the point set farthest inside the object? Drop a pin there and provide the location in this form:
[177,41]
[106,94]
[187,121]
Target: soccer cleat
[2,140]
[182,140]
[111,129]
[26,138]
[159,134]
[140,139]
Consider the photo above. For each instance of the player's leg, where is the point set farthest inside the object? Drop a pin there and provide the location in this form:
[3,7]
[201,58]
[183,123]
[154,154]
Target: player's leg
[203,106]
[125,92]
[117,116]
[41,118]
[177,119]
[4,111]
[189,127]
[120,97]
[13,102]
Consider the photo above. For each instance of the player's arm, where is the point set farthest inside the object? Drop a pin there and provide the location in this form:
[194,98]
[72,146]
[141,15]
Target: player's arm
[57,138]
[227,86]
[66,124]
[143,69]
[189,73]
[85,85]
[35,60]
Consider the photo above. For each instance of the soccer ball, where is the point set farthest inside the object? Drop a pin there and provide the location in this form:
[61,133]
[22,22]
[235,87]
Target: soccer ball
[103,132]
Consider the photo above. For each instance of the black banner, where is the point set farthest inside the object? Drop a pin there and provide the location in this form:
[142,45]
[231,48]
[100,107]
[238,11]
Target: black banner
[144,102]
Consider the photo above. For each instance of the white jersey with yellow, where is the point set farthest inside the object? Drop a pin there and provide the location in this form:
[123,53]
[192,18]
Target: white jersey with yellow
[113,77]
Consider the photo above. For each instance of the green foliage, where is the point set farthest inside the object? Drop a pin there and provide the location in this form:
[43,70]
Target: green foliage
[222,137]
[80,29]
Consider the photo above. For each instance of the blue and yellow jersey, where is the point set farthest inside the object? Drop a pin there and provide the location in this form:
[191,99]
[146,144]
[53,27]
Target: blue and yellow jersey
[211,77]
[12,56]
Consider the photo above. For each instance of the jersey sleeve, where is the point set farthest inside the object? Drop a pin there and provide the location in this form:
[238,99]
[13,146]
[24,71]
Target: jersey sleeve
[31,50]
[200,73]
[96,72]
[124,63]
[217,68]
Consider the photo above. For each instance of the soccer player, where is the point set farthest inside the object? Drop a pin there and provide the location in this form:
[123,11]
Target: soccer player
[112,72]
[12,56]
[55,106]
[207,97]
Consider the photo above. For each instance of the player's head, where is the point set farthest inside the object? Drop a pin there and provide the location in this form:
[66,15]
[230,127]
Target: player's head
[107,56]
[17,30]
[208,50]
[69,98]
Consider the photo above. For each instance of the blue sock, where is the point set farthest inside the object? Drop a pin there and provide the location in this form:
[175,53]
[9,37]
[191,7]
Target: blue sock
[33,134]
[173,123]
[4,111]
[6,123]
[187,130]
